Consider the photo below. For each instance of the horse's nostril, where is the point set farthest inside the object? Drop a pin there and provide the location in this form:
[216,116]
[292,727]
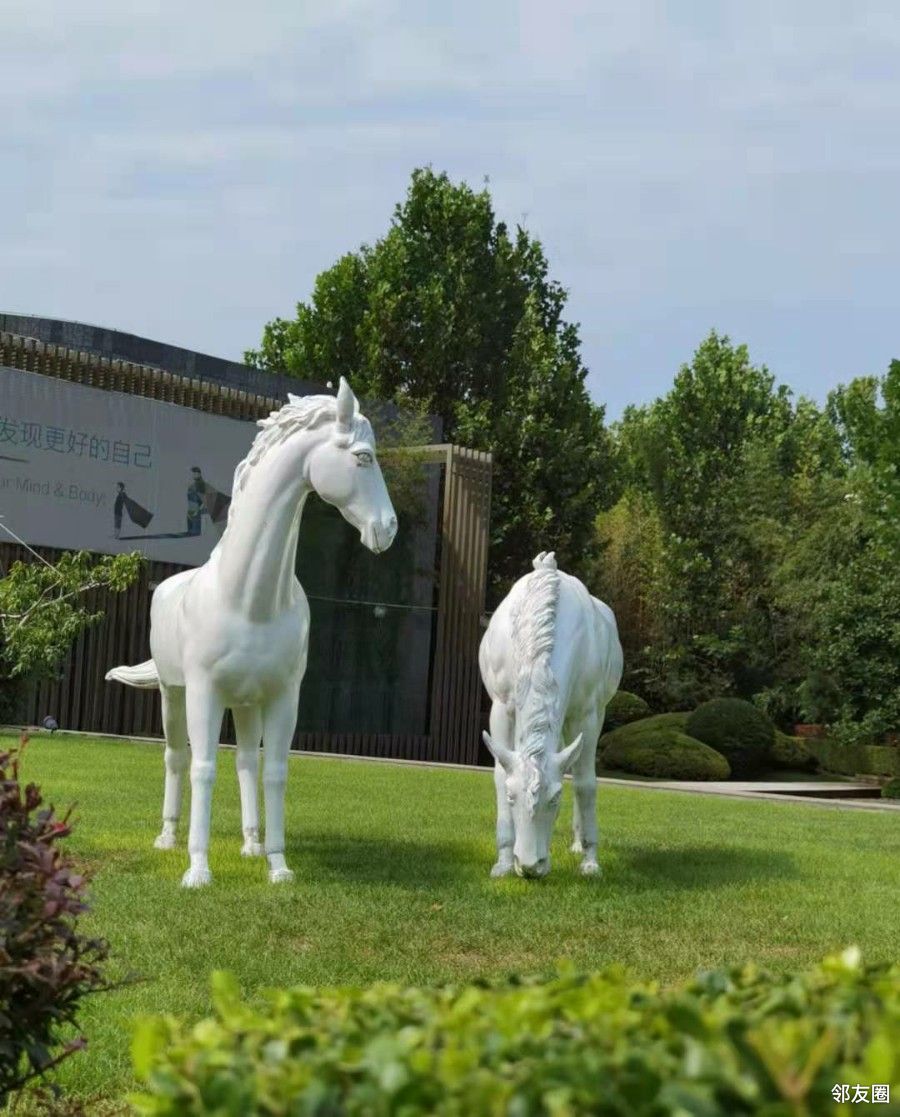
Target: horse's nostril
[392,523]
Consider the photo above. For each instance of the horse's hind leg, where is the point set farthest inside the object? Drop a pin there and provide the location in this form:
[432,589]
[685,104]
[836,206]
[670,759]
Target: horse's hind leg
[248,729]
[279,722]
[176,758]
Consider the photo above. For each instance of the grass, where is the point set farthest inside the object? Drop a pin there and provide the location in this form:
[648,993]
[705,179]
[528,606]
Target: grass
[392,883]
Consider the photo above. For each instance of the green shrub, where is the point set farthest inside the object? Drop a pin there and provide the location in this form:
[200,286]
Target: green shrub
[46,967]
[856,760]
[736,729]
[674,723]
[664,754]
[727,1043]
[792,754]
[624,708]
[891,790]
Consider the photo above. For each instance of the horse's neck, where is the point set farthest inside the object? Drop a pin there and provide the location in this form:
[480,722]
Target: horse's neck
[255,559]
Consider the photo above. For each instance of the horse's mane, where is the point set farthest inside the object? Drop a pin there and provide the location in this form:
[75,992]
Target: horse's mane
[299,413]
[537,692]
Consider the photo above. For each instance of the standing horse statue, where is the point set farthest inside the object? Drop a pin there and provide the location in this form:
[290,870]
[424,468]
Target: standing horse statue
[550,661]
[234,632]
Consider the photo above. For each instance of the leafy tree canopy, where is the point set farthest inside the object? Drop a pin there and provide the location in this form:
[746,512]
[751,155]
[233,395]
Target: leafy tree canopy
[452,311]
[44,606]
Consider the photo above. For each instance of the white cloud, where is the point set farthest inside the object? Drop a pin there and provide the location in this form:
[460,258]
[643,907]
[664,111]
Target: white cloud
[184,170]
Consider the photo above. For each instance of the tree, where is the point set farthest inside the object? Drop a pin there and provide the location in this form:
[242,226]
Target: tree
[866,414]
[452,311]
[43,607]
[841,575]
[717,455]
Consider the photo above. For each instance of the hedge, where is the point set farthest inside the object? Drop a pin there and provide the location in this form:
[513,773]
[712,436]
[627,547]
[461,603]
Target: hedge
[676,723]
[857,760]
[792,754]
[736,729]
[664,754]
[728,1043]
[624,708]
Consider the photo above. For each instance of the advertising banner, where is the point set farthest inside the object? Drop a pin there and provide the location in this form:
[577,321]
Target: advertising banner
[86,469]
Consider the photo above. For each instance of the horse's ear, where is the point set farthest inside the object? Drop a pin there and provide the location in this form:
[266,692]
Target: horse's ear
[294,399]
[347,407]
[567,757]
[504,756]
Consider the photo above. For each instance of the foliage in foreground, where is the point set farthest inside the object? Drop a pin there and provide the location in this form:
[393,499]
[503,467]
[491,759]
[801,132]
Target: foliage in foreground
[724,1044]
[46,967]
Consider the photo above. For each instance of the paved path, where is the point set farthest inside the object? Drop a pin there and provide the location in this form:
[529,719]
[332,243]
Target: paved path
[814,793]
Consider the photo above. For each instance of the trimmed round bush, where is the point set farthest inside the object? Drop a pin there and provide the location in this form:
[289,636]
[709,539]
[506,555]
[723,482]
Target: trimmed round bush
[675,723]
[624,708]
[736,729]
[891,790]
[792,754]
[663,753]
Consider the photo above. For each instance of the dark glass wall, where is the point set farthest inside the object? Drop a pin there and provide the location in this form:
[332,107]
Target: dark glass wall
[372,620]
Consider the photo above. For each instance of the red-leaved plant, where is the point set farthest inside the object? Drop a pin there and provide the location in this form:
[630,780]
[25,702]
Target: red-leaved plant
[46,968]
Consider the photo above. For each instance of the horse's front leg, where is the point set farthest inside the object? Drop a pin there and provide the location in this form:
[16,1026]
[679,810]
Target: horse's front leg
[502,731]
[279,722]
[584,777]
[248,731]
[204,722]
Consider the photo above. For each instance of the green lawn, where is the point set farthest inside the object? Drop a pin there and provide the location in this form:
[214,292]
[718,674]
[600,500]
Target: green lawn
[392,882]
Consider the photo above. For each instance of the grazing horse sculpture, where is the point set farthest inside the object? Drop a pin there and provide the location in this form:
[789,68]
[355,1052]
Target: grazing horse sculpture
[550,661]
[234,632]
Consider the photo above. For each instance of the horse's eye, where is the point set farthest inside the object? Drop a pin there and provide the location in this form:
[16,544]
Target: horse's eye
[363,457]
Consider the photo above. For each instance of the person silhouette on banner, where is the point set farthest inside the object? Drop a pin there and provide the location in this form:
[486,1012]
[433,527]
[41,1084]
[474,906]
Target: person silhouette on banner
[196,505]
[124,503]
[205,500]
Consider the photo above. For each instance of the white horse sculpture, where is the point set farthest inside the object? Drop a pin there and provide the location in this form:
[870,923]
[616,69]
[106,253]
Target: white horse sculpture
[234,632]
[550,661]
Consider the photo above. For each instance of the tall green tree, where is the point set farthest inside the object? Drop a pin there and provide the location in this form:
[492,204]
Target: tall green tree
[453,311]
[841,573]
[716,455]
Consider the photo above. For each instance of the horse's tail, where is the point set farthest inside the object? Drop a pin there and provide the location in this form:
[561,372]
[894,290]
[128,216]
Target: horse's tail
[143,675]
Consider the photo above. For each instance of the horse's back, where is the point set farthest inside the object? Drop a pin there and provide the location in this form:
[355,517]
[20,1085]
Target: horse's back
[587,644]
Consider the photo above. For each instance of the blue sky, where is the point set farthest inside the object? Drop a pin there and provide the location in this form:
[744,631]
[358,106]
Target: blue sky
[184,170]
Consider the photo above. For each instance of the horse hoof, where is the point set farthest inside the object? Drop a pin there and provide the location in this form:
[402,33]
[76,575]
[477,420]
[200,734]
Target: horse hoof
[164,841]
[196,878]
[252,849]
[590,869]
[502,869]
[281,876]
[576,846]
